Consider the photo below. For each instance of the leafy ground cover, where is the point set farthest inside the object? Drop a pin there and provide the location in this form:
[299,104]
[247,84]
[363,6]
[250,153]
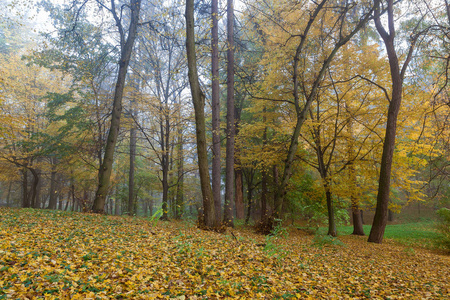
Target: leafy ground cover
[59,255]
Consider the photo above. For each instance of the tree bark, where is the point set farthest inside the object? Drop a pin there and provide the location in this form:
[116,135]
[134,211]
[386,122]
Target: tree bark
[52,202]
[264,215]
[397,75]
[249,201]
[131,194]
[125,54]
[229,163]
[180,166]
[330,207]
[215,103]
[207,219]
[66,206]
[25,199]
[358,228]
[239,197]
[37,200]
[390,215]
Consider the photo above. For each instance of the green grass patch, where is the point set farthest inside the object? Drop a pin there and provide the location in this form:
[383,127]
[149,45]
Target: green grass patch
[419,234]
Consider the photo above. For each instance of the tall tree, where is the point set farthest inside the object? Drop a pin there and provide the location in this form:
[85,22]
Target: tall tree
[207,218]
[305,63]
[229,165]
[215,103]
[126,47]
[397,76]
[131,173]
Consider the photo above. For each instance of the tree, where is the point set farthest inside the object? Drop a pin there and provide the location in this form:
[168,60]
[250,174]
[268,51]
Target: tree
[126,47]
[215,106]
[294,42]
[229,171]
[162,68]
[207,218]
[397,76]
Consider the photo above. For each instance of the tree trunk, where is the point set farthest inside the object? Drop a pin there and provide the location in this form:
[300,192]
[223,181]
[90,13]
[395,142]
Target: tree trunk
[180,186]
[53,186]
[357,221]
[229,171]
[67,201]
[207,219]
[215,103]
[37,201]
[165,164]
[131,196]
[117,203]
[249,201]
[264,215]
[34,186]
[390,215]
[165,187]
[25,199]
[277,200]
[381,211]
[238,173]
[239,197]
[330,207]
[125,54]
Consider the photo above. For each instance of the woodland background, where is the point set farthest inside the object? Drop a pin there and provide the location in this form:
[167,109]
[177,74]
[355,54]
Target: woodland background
[57,82]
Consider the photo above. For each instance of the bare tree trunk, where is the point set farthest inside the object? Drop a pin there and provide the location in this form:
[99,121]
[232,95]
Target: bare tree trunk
[208,219]
[229,163]
[397,75]
[116,203]
[249,201]
[34,187]
[180,170]
[67,201]
[37,202]
[125,54]
[264,215]
[330,207]
[239,197]
[131,195]
[215,103]
[53,186]
[238,174]
[390,215]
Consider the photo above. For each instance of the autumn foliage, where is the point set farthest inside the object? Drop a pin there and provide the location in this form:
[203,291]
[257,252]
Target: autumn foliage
[60,255]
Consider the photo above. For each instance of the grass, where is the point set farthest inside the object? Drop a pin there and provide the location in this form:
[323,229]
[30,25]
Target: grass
[417,234]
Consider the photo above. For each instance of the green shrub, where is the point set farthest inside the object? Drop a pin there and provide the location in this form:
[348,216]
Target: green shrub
[444,228]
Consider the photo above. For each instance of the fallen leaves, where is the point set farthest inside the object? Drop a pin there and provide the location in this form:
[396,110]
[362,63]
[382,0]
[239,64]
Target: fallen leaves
[52,254]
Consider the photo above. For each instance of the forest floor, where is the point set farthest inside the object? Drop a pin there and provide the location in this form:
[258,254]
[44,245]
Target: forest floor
[61,255]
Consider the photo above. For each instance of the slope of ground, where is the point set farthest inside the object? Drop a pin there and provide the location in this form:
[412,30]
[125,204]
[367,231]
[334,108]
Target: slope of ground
[58,255]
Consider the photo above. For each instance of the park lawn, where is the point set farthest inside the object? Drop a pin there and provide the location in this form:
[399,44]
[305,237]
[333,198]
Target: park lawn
[60,255]
[415,234]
